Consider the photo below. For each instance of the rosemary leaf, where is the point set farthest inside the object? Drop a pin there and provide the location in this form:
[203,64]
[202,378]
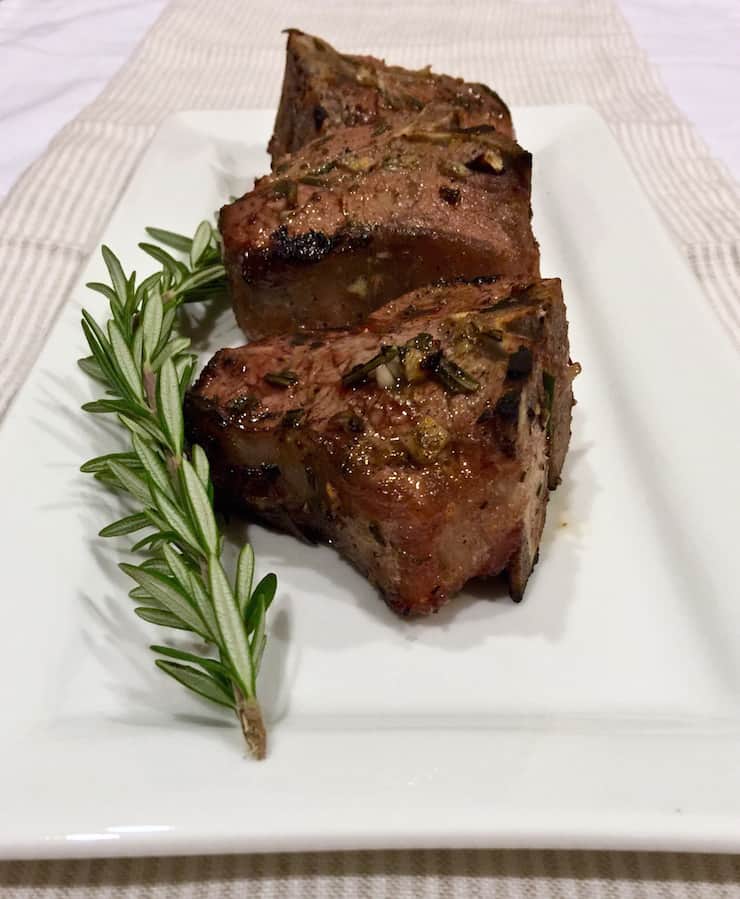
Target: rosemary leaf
[201,239]
[218,671]
[157,565]
[104,289]
[169,263]
[144,428]
[125,360]
[152,464]
[160,616]
[151,327]
[244,576]
[118,279]
[198,279]
[168,320]
[181,583]
[100,463]
[230,625]
[171,239]
[200,464]
[170,351]
[199,505]
[137,348]
[91,367]
[126,525]
[151,541]
[176,564]
[263,595]
[258,638]
[175,518]
[122,406]
[99,346]
[169,406]
[197,681]
[131,482]
[165,590]
[185,368]
[202,601]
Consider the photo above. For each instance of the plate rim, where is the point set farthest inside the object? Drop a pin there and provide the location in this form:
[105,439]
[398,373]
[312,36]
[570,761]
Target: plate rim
[668,832]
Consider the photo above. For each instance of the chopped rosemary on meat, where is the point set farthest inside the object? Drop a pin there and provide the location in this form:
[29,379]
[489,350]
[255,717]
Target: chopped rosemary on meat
[292,418]
[491,340]
[288,189]
[452,377]
[422,341]
[282,378]
[358,373]
[426,441]
[325,167]
[419,357]
[356,164]
[487,161]
[429,137]
[312,181]
[452,169]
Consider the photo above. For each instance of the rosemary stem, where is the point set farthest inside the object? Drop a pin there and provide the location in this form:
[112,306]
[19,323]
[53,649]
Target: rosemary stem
[253,727]
[248,711]
[150,388]
[146,370]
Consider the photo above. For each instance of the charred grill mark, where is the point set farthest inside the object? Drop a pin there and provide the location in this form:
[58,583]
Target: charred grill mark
[374,529]
[307,248]
[520,364]
[507,407]
[252,481]
[267,472]
[503,420]
[292,418]
[450,195]
[320,115]
[349,422]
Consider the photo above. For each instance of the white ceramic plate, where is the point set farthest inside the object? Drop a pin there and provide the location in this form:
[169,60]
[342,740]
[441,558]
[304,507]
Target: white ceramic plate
[604,711]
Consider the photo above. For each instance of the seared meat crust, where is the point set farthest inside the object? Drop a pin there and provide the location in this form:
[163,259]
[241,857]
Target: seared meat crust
[324,90]
[426,467]
[362,216]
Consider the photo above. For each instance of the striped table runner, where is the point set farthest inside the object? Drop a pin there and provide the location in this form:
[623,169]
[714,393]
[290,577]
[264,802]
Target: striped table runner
[209,54]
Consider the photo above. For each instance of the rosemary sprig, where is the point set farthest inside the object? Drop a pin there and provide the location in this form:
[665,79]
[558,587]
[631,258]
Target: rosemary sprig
[146,369]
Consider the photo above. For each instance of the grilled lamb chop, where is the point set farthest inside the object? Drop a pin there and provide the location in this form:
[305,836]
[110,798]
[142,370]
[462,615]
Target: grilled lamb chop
[365,215]
[421,445]
[324,90]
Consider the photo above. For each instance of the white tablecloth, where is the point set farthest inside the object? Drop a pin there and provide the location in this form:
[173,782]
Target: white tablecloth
[57,55]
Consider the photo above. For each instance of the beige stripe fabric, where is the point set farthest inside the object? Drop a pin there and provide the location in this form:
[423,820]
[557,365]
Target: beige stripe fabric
[392,875]
[223,54]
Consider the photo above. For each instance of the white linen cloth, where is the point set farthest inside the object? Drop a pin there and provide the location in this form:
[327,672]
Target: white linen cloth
[224,54]
[55,58]
[57,55]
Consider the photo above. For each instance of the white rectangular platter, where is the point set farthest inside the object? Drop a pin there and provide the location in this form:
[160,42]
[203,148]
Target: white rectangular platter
[602,712]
